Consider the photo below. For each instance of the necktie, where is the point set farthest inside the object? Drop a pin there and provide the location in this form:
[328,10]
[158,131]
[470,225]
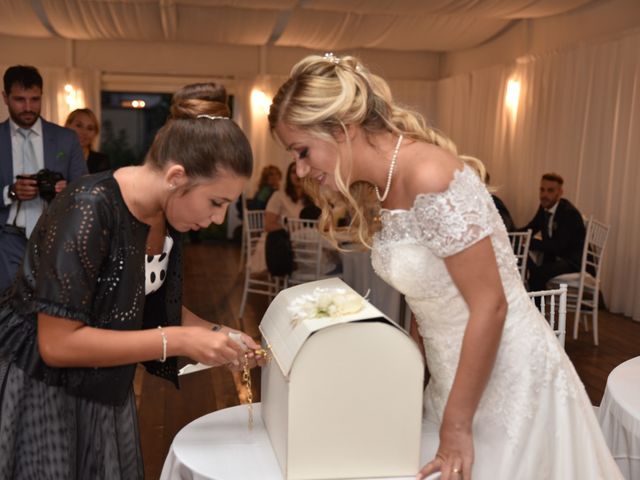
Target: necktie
[548,215]
[32,208]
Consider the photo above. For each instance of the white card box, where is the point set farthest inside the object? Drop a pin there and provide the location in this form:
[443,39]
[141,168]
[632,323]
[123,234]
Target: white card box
[342,396]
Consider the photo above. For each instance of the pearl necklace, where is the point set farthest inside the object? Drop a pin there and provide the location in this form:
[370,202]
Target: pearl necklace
[392,167]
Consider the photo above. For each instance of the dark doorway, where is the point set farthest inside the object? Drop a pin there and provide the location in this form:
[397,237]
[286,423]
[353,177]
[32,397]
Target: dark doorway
[130,121]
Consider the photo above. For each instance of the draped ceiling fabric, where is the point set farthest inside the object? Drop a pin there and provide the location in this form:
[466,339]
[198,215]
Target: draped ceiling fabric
[434,25]
[579,105]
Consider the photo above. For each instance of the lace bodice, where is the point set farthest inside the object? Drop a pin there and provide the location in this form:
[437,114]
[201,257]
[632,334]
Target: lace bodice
[440,225]
[408,253]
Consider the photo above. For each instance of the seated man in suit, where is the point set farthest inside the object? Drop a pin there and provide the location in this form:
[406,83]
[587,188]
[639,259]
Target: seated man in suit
[557,234]
[29,144]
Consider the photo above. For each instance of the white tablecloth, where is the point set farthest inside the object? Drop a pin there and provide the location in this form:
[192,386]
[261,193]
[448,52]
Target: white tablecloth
[619,416]
[358,273]
[220,446]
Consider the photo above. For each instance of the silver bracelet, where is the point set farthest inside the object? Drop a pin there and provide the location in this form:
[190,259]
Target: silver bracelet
[164,345]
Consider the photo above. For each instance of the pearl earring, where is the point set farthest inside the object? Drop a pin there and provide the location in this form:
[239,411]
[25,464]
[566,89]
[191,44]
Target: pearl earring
[171,186]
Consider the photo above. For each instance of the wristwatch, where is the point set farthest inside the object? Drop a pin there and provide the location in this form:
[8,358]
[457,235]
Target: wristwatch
[13,196]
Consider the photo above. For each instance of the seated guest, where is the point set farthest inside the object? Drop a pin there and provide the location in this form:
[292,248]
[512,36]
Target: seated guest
[282,204]
[285,204]
[557,234]
[269,183]
[480,169]
[85,123]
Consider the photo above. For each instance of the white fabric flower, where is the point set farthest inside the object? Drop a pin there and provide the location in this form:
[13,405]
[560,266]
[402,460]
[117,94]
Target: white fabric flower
[325,302]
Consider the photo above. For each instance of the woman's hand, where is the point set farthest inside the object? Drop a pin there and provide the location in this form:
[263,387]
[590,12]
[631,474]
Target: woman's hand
[455,454]
[211,348]
[253,350]
[60,185]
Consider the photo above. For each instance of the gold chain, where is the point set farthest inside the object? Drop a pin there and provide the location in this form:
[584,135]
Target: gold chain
[246,379]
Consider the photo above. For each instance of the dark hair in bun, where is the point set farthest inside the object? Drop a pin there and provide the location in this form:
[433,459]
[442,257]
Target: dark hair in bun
[202,145]
[192,107]
[184,99]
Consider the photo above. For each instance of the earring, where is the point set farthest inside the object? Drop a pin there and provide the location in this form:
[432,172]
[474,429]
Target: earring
[171,186]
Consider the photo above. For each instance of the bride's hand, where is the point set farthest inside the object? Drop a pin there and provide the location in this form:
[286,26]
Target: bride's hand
[455,454]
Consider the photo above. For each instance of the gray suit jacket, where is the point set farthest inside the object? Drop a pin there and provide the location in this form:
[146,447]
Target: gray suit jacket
[62,153]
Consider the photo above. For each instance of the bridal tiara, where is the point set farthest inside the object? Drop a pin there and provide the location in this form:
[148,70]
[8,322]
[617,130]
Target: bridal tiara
[329,56]
[213,117]
[332,58]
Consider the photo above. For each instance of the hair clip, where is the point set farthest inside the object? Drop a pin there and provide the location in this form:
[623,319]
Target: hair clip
[212,117]
[332,58]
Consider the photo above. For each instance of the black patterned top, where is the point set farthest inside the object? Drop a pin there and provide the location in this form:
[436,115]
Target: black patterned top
[86,261]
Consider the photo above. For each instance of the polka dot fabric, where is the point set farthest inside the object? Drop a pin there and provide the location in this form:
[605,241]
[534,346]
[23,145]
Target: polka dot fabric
[156,267]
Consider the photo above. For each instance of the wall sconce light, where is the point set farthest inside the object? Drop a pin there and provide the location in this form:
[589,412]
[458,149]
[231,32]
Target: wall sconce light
[512,96]
[73,97]
[260,101]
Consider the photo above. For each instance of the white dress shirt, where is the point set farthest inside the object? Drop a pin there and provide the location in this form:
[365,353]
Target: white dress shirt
[18,169]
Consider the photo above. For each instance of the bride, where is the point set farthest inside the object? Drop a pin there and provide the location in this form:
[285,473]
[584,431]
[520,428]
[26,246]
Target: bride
[507,400]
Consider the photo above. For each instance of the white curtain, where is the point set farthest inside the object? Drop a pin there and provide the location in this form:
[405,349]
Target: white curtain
[420,96]
[578,115]
[253,120]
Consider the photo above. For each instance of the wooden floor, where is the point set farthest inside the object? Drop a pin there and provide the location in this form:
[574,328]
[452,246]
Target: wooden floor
[213,290]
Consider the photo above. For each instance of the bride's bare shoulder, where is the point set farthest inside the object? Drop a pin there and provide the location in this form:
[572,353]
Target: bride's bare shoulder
[431,169]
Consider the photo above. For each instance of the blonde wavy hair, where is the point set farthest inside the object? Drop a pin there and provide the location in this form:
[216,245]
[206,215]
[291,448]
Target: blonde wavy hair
[323,96]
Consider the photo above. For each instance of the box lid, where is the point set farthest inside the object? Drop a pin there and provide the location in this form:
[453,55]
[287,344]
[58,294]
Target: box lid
[286,337]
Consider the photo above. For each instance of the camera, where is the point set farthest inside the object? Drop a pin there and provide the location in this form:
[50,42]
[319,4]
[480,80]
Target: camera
[46,180]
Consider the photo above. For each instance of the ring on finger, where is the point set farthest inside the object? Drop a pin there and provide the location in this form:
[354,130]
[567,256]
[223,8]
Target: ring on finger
[456,471]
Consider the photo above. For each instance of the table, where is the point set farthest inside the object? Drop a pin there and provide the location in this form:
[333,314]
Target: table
[358,273]
[619,416]
[220,446]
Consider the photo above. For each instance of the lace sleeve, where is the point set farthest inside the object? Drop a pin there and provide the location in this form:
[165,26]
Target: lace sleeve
[69,253]
[457,218]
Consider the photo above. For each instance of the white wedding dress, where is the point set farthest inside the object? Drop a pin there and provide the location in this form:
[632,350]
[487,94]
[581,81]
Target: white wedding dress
[535,420]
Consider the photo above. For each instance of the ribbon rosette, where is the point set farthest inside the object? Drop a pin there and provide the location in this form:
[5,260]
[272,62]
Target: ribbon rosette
[324,302]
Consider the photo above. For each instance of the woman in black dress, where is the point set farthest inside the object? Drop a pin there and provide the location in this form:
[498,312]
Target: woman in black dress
[85,123]
[100,290]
